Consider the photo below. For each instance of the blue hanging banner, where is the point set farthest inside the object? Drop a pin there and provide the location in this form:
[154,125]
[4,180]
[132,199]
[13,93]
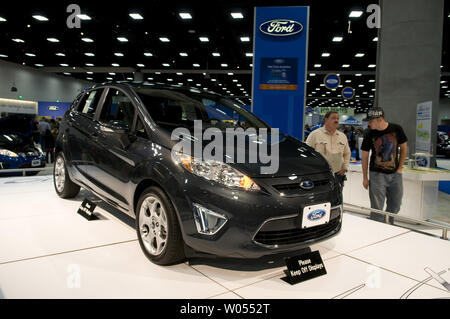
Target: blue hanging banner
[348,93]
[331,81]
[279,67]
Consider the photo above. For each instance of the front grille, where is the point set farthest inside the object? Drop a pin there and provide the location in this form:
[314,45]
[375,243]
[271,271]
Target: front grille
[296,186]
[322,183]
[296,235]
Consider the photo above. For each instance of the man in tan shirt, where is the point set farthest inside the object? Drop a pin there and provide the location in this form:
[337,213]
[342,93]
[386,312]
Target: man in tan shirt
[332,144]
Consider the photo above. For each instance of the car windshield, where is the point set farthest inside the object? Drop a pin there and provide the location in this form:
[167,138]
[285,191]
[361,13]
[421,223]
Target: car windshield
[172,109]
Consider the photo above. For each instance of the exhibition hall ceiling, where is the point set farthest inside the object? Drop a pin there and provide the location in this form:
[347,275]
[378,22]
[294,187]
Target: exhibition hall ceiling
[196,43]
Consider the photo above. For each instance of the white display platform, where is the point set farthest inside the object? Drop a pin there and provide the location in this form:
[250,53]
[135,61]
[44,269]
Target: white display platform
[420,191]
[47,250]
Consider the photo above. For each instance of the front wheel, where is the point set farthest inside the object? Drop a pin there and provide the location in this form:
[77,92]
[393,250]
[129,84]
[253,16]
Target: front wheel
[64,186]
[158,229]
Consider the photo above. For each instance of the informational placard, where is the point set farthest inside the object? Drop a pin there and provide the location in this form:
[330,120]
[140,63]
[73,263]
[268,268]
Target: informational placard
[280,46]
[304,267]
[278,74]
[423,132]
[87,210]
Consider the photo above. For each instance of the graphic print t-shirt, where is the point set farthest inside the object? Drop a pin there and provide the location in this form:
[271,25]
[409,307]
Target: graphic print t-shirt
[385,148]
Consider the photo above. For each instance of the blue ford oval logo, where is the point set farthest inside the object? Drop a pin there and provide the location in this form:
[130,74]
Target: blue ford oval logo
[53,108]
[281,27]
[307,185]
[316,214]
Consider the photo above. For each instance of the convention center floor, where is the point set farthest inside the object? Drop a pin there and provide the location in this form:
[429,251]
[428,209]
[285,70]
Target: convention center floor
[47,250]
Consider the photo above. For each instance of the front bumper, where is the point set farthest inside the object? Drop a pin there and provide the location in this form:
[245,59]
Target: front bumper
[258,223]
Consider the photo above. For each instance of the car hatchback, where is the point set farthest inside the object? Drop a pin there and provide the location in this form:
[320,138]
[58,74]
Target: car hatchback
[117,141]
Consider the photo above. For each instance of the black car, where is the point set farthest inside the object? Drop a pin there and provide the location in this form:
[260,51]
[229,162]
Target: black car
[116,141]
[442,144]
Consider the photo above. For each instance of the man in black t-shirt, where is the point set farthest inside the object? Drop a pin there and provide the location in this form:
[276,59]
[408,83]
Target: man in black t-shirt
[388,145]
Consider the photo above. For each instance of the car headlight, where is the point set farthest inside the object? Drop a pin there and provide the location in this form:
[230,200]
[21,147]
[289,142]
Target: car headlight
[8,153]
[216,171]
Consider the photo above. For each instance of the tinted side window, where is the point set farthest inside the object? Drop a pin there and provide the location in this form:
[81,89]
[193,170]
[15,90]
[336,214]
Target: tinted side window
[89,102]
[117,109]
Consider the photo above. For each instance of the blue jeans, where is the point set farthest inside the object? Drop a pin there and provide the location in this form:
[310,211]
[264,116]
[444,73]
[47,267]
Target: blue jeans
[385,188]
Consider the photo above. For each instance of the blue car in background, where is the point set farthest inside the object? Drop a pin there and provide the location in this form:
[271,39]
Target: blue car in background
[17,149]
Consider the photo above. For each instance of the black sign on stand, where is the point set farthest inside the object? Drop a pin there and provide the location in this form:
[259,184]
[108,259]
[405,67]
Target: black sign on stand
[87,210]
[304,267]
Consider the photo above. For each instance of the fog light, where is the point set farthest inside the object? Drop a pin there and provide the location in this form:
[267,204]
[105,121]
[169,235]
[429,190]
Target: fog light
[207,221]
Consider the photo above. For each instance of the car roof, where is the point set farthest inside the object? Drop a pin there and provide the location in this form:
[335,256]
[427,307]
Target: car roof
[155,86]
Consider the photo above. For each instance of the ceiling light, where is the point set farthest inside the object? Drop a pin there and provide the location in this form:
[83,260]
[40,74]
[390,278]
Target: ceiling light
[164,39]
[358,74]
[166,64]
[325,54]
[216,54]
[195,65]
[90,79]
[83,17]
[183,54]
[371,81]
[312,74]
[185,15]
[18,40]
[64,64]
[224,65]
[115,64]
[190,80]
[60,54]
[317,65]
[39,65]
[3,56]
[111,73]
[30,54]
[249,54]
[122,39]
[89,72]
[204,39]
[231,74]
[40,18]
[359,55]
[89,54]
[52,40]
[237,15]
[345,65]
[89,64]
[136,16]
[109,79]
[245,39]
[118,54]
[355,14]
[179,73]
[2,19]
[348,81]
[170,80]
[66,73]
[87,40]
[375,39]
[337,39]
[148,54]
[371,65]
[140,65]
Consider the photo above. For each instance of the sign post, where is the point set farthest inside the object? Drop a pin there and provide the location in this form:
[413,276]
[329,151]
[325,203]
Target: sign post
[279,67]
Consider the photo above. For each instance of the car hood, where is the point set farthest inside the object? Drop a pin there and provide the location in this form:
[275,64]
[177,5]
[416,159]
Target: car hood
[294,157]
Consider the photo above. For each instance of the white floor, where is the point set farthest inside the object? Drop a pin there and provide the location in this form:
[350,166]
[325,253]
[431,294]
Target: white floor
[47,250]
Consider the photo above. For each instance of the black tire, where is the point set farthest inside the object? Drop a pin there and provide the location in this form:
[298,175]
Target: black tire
[173,247]
[68,188]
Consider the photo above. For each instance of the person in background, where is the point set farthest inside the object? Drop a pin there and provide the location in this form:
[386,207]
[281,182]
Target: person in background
[352,142]
[43,126]
[332,144]
[388,145]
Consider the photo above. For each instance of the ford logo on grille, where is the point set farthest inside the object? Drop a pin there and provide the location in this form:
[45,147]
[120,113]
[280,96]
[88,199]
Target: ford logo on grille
[316,214]
[307,185]
[281,27]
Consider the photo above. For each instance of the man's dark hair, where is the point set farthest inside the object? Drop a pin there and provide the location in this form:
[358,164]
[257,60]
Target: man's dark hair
[329,114]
